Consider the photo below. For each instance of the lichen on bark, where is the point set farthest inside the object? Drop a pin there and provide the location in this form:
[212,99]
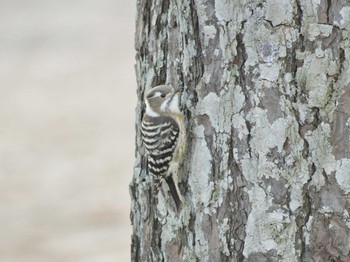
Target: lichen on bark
[267,106]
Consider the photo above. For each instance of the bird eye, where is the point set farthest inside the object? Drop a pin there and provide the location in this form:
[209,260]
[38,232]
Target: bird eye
[162,95]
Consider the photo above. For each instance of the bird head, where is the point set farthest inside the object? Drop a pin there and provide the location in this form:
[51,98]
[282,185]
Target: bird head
[163,100]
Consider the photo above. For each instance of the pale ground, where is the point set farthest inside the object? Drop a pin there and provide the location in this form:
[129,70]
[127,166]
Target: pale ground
[67,99]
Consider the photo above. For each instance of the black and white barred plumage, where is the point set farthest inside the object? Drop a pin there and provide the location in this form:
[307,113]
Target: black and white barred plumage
[160,136]
[163,136]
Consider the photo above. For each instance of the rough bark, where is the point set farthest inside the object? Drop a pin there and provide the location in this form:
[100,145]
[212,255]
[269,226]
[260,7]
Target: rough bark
[267,102]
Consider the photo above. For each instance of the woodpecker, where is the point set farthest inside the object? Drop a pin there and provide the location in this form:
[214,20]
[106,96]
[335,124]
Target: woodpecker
[164,137]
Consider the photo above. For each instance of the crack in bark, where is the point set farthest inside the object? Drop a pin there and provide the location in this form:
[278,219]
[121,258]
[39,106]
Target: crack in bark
[198,59]
[302,217]
[304,220]
[329,4]
[341,59]
[299,15]
[240,61]
[238,196]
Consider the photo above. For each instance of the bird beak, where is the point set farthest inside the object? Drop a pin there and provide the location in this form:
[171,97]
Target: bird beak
[179,89]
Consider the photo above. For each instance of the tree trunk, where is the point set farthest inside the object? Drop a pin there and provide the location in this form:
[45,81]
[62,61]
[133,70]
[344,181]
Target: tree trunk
[267,104]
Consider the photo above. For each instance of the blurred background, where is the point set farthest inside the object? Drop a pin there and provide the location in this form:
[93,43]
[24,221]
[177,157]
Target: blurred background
[67,99]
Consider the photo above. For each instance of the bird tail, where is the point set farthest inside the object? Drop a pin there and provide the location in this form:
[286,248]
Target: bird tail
[174,190]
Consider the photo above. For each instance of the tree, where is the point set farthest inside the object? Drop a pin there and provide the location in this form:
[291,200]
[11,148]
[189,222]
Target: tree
[267,102]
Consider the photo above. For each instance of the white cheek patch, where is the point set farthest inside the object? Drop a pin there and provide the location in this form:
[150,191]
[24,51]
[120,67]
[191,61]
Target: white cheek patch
[173,106]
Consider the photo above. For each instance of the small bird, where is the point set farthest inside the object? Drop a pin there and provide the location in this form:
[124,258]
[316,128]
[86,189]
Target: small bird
[164,137]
